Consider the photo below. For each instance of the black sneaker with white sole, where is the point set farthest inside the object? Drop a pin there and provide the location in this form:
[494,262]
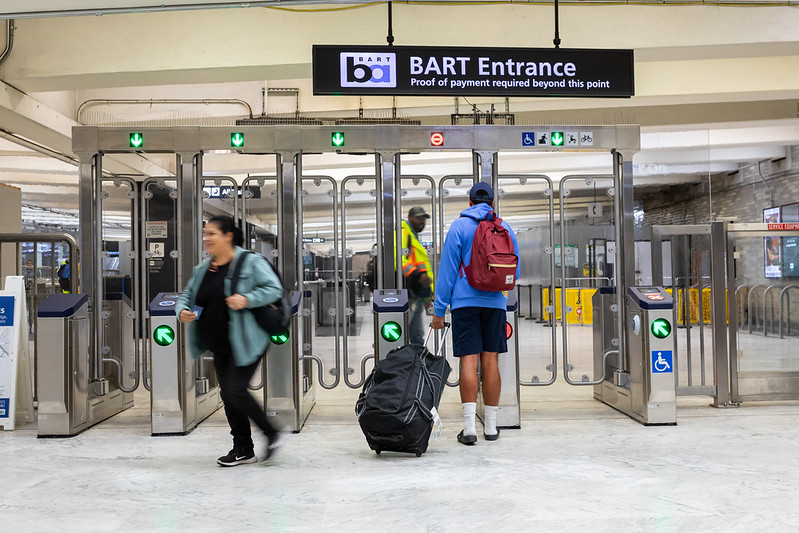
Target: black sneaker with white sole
[235,458]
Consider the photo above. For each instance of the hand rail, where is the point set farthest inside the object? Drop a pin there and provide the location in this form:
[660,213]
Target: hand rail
[50,237]
[767,324]
[785,293]
[749,310]
[740,302]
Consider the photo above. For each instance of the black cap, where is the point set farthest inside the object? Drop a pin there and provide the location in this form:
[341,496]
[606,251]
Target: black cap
[481,192]
[418,211]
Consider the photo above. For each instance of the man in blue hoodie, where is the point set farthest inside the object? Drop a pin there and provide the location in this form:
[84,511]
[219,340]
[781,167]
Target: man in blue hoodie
[478,317]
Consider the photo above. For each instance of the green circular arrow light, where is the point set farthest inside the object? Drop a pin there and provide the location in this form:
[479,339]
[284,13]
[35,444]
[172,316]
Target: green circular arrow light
[391,331]
[661,328]
[283,338]
[163,335]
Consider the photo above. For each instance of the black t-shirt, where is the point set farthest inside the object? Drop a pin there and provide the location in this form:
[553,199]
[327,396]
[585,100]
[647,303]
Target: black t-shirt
[213,321]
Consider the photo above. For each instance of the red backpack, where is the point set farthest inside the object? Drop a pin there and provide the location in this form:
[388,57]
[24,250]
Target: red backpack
[494,261]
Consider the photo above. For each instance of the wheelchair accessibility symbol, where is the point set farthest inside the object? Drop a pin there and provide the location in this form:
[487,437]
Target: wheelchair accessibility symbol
[528,138]
[662,362]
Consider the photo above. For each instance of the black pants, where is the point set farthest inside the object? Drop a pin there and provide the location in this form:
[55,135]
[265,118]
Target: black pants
[240,406]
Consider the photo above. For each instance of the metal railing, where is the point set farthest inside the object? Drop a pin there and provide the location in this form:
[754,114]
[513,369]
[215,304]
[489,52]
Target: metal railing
[72,246]
[785,294]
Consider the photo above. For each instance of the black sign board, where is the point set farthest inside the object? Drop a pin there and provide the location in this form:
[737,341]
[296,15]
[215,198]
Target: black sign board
[460,71]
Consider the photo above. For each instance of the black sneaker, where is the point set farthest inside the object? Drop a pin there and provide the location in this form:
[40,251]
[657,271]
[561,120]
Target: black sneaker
[234,458]
[275,440]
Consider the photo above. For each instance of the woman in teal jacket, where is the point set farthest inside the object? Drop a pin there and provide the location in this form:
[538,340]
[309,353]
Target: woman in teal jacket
[219,322]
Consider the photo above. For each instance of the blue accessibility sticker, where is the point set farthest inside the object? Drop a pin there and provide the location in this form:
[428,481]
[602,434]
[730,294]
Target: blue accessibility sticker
[528,138]
[662,361]
[4,407]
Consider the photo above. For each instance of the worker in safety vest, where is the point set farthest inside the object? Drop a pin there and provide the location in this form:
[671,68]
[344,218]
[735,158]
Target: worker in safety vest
[418,273]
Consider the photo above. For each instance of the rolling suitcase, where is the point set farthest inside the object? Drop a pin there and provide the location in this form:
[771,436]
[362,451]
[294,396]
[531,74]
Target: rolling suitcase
[397,408]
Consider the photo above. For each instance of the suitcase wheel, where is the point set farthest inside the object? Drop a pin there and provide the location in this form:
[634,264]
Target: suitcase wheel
[377,451]
[418,453]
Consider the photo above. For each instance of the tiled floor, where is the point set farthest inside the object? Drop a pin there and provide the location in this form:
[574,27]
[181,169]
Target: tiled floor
[575,465]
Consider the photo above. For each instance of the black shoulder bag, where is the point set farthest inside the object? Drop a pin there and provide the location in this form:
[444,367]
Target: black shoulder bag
[273,321]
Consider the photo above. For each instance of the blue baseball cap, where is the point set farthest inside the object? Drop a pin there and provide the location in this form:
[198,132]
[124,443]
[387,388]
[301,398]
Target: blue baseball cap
[481,192]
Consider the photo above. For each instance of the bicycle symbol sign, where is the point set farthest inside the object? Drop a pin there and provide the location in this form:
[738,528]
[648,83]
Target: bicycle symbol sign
[662,361]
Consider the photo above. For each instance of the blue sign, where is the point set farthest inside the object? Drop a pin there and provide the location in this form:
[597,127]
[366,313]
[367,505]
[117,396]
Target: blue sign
[3,407]
[528,138]
[6,311]
[662,362]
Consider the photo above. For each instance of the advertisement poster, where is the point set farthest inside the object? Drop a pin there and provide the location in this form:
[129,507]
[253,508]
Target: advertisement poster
[773,245]
[790,245]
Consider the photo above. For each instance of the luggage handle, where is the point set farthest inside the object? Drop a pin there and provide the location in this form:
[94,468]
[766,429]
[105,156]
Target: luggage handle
[444,336]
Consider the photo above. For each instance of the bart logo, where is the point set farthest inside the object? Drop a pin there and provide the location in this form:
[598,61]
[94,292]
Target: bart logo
[364,69]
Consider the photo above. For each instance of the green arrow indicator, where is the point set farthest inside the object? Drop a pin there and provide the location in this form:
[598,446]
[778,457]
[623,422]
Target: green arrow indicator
[283,338]
[337,139]
[391,331]
[163,335]
[136,140]
[557,138]
[661,328]
[237,140]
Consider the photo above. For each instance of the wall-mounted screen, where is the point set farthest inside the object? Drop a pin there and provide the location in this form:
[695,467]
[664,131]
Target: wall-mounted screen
[773,250]
[790,245]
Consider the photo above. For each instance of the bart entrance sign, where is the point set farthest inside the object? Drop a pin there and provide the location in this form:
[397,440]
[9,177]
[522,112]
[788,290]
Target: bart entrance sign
[467,71]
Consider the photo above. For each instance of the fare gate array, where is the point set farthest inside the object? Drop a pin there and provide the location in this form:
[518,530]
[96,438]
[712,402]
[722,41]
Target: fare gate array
[291,195]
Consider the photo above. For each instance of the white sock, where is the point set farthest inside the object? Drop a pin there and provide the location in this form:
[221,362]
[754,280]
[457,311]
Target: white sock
[469,410]
[491,419]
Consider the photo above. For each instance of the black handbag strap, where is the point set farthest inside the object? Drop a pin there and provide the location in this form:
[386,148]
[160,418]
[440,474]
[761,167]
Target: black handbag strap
[234,279]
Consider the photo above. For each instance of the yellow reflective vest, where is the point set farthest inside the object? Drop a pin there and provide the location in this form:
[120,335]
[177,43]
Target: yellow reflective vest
[416,261]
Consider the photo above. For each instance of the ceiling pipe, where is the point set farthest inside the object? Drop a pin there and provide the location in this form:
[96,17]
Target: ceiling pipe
[161,8]
[9,40]
[206,101]
[30,145]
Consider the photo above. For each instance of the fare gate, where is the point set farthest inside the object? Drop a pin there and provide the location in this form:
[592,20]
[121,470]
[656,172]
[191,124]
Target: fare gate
[647,391]
[291,221]
[182,394]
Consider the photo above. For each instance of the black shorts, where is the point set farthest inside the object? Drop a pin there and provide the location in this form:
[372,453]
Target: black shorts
[478,329]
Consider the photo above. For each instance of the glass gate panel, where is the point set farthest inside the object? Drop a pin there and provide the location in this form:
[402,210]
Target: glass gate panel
[122,309]
[526,204]
[159,238]
[584,262]
[321,268]
[260,215]
[767,299]
[220,198]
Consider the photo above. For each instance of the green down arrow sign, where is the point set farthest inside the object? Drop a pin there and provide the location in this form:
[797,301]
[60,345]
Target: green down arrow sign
[237,140]
[557,138]
[136,140]
[337,139]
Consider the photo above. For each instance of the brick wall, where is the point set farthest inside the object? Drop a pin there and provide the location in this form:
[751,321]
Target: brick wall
[741,195]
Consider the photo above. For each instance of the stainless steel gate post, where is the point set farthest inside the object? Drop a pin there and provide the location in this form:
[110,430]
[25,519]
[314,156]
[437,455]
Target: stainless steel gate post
[290,260]
[388,275]
[718,309]
[625,245]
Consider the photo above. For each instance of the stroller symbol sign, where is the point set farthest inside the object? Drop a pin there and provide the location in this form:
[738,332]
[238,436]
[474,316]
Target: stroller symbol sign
[662,361]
